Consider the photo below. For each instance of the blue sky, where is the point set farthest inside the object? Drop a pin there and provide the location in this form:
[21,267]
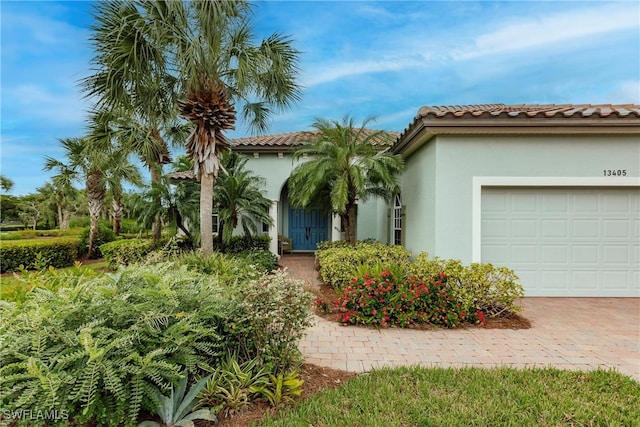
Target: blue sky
[385,59]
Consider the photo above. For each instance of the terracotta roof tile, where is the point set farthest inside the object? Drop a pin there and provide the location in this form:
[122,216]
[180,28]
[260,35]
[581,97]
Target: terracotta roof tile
[531,110]
[288,141]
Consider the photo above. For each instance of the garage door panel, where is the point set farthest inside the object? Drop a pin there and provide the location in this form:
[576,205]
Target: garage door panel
[554,254]
[585,229]
[586,254]
[523,254]
[565,241]
[585,279]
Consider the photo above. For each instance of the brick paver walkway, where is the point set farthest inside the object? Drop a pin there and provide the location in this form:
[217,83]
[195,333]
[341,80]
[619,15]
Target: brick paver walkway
[567,333]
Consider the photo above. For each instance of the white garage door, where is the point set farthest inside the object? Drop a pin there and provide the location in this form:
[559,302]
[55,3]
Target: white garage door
[565,241]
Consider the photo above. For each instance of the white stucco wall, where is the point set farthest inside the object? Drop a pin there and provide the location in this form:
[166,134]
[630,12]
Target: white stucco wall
[437,187]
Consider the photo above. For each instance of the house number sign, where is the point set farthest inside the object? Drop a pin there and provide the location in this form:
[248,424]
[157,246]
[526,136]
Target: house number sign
[614,172]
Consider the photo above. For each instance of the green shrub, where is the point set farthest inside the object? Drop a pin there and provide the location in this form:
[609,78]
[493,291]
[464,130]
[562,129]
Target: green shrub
[227,269]
[39,253]
[99,348]
[390,299]
[491,290]
[243,243]
[33,234]
[275,313]
[125,252]
[328,244]
[264,259]
[338,265]
[105,235]
[19,287]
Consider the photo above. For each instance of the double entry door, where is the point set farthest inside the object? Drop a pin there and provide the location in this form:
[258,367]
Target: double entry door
[307,228]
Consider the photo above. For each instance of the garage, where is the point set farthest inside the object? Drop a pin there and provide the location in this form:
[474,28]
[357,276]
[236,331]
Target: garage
[565,241]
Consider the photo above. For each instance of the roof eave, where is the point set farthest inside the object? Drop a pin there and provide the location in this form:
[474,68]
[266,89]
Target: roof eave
[425,128]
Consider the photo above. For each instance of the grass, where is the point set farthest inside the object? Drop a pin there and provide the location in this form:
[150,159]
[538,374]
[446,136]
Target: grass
[415,396]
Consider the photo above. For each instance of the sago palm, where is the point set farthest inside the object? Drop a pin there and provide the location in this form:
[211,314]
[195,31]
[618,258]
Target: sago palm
[347,164]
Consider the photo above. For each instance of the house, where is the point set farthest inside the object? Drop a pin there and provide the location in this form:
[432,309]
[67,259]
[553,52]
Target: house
[551,191]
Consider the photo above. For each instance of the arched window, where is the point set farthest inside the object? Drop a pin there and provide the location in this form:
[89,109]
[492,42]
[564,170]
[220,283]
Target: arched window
[397,220]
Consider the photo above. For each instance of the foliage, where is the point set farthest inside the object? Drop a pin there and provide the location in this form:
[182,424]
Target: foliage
[389,299]
[125,252]
[178,409]
[275,313]
[227,269]
[105,235]
[32,234]
[282,388]
[338,265]
[233,385]
[40,253]
[265,260]
[239,198]
[420,396]
[346,164]
[328,244]
[246,243]
[17,288]
[478,287]
[99,348]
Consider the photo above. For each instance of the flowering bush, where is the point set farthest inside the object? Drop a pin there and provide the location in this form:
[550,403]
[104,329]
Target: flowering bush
[388,299]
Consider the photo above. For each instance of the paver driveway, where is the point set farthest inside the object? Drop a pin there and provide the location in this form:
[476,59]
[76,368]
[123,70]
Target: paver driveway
[567,333]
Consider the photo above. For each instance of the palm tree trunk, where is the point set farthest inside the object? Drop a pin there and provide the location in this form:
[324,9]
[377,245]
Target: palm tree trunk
[350,223]
[117,215]
[60,216]
[156,228]
[206,212]
[66,215]
[95,194]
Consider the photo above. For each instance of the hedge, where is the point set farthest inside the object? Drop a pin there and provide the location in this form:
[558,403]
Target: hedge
[38,253]
[125,252]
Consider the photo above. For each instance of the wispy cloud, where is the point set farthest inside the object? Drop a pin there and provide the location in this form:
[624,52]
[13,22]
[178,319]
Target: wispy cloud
[552,29]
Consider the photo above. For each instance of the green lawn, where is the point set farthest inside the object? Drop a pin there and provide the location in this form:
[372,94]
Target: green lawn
[471,397]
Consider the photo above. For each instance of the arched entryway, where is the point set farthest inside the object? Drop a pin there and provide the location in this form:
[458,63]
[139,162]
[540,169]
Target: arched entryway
[305,227]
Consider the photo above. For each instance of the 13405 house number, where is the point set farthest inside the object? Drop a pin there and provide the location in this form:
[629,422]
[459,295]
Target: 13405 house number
[614,172]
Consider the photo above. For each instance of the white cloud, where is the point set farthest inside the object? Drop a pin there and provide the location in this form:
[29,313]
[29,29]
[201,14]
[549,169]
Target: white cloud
[534,32]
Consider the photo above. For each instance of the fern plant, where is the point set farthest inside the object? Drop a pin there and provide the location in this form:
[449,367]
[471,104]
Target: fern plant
[177,410]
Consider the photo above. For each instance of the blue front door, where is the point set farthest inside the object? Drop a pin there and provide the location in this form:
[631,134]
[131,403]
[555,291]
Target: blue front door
[307,228]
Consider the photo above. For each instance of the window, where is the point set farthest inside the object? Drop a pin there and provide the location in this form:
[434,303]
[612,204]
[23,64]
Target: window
[216,223]
[397,220]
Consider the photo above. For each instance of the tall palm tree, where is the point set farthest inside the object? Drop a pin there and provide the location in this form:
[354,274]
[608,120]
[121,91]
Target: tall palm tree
[209,46]
[239,198]
[346,164]
[132,84]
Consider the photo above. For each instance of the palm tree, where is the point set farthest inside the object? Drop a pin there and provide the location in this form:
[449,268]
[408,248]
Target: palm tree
[347,164]
[120,170]
[209,46]
[62,190]
[238,198]
[84,161]
[132,85]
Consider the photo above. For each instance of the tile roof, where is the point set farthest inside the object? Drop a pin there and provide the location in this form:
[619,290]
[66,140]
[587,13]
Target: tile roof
[532,110]
[287,141]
